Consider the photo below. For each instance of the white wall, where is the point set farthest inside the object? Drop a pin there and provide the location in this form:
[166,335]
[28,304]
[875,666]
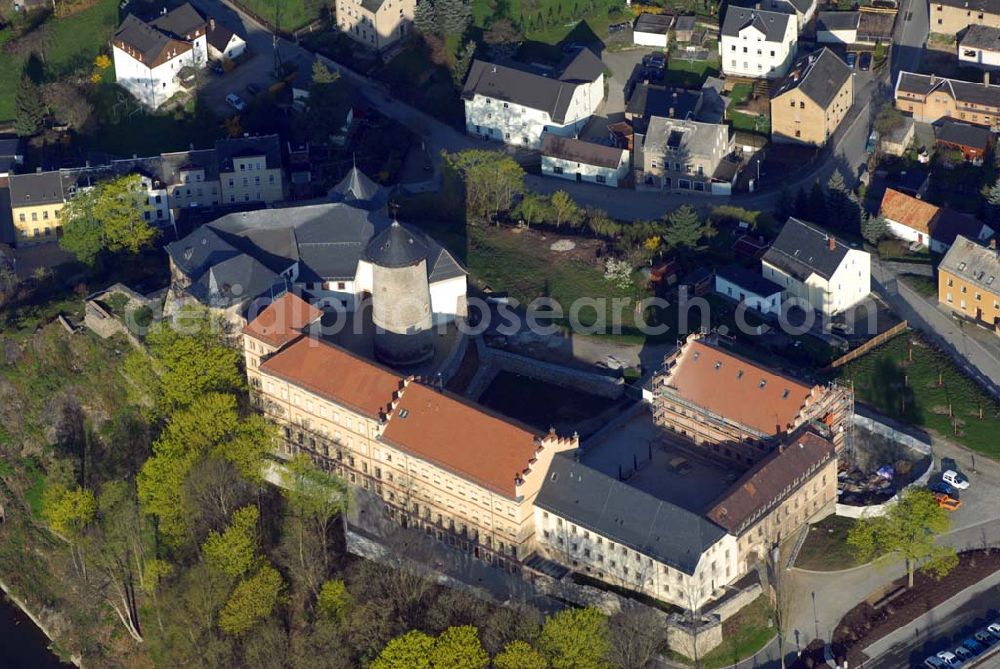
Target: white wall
[768,304]
[847,36]
[152,87]
[589,173]
[515,124]
[234,49]
[658,40]
[448,298]
[753,64]
[979,57]
[906,233]
[850,284]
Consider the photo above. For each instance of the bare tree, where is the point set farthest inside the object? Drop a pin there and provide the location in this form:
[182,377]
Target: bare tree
[636,636]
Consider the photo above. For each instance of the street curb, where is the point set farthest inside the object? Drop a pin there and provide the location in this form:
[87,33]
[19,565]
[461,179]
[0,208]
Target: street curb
[832,571]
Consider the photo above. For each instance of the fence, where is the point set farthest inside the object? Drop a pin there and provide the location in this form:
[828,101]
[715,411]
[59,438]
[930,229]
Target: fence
[878,340]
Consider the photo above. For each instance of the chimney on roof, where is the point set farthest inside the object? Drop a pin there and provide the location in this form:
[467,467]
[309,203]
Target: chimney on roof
[211,24]
[38,170]
[986,78]
[831,243]
[163,11]
[993,244]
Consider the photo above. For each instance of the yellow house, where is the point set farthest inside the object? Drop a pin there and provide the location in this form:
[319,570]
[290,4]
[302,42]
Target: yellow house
[377,24]
[250,169]
[36,202]
[812,100]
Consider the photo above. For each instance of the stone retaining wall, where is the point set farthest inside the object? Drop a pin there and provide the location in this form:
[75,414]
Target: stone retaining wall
[493,361]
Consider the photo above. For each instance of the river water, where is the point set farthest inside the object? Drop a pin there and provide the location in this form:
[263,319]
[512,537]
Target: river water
[22,645]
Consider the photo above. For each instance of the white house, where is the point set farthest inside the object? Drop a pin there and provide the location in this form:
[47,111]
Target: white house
[837,27]
[803,10]
[738,283]
[757,43]
[516,106]
[652,29]
[920,222]
[980,46]
[223,43]
[149,56]
[817,269]
[576,160]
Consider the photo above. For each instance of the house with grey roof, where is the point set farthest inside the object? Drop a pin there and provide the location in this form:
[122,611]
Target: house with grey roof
[757,43]
[576,160]
[600,526]
[318,249]
[817,270]
[681,155]
[837,27]
[979,45]
[969,281]
[812,100]
[802,10]
[518,105]
[929,98]
[377,25]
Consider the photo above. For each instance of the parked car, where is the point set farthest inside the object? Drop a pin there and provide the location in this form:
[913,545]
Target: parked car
[973,645]
[216,67]
[956,480]
[949,659]
[941,487]
[985,638]
[872,142]
[658,61]
[236,102]
[947,502]
[994,629]
[934,663]
[618,27]
[253,89]
[964,654]
[851,59]
[865,61]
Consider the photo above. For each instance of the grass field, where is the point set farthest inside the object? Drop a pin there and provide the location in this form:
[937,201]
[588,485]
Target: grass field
[554,21]
[921,388]
[294,13]
[756,123]
[742,635]
[689,73]
[826,549]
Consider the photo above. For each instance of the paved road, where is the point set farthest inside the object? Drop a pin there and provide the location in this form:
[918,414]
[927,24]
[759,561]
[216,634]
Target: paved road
[910,34]
[977,356]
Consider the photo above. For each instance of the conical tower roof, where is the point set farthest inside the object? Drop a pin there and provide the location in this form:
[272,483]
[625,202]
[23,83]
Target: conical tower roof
[358,190]
[397,246]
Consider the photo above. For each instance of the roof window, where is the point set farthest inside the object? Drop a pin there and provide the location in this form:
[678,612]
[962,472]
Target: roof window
[961,267]
[763,382]
[403,413]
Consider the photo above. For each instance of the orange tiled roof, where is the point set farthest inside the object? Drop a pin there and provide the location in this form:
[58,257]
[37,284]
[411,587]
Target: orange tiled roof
[737,389]
[908,211]
[446,431]
[334,374]
[282,320]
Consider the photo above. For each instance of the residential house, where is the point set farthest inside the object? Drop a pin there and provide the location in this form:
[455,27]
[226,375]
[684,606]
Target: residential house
[980,45]
[837,27]
[652,30]
[437,462]
[929,98]
[377,24]
[812,100]
[803,10]
[967,281]
[250,169]
[519,106]
[576,160]
[898,140]
[11,157]
[607,529]
[932,227]
[950,17]
[706,104]
[737,411]
[223,43]
[191,179]
[681,155]
[974,141]
[756,43]
[684,28]
[875,27]
[750,288]
[817,269]
[149,56]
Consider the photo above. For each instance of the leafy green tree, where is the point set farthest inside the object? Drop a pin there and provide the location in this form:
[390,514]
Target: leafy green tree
[874,228]
[323,75]
[459,648]
[565,211]
[684,228]
[29,108]
[491,181]
[816,205]
[576,639]
[252,600]
[409,651]
[533,209]
[908,531]
[889,118]
[68,511]
[520,655]
[119,207]
[462,64]
[334,601]
[234,552]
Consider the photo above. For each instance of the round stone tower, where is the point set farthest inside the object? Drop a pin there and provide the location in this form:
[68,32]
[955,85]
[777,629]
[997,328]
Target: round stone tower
[401,296]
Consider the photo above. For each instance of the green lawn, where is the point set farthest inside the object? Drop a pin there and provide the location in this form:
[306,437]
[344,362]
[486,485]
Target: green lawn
[689,73]
[826,549]
[756,123]
[742,635]
[740,94]
[906,387]
[924,285]
[554,21]
[294,13]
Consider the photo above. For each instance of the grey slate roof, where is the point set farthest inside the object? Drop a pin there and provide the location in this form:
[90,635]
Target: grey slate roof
[530,89]
[950,224]
[696,139]
[657,24]
[658,100]
[974,263]
[985,6]
[7,234]
[982,37]
[397,246]
[751,282]
[802,249]
[145,40]
[801,6]
[180,22]
[579,151]
[268,146]
[372,5]
[964,134]
[219,36]
[38,188]
[626,515]
[819,76]
[964,91]
[830,21]
[357,190]
[172,164]
[10,147]
[771,24]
